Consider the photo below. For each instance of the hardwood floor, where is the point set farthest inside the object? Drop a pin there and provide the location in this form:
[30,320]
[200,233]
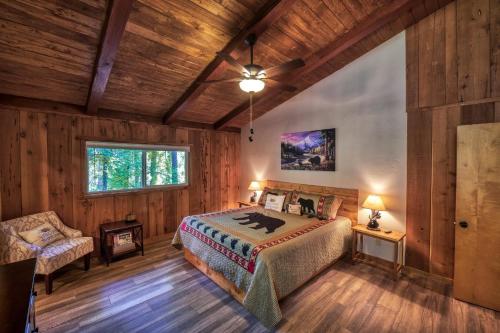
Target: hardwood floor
[161,292]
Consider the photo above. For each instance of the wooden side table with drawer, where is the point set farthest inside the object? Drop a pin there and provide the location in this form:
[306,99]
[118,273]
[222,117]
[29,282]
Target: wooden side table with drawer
[397,238]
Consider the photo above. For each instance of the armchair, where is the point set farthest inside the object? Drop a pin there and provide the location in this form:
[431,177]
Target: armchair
[49,258]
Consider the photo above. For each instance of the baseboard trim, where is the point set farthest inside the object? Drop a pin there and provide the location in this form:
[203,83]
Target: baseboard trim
[406,271]
[412,271]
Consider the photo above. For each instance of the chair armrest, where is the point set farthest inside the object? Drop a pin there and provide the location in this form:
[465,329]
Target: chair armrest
[64,229]
[70,232]
[15,249]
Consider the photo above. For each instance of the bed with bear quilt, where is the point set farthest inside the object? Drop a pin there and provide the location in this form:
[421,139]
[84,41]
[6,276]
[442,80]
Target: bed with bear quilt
[265,253]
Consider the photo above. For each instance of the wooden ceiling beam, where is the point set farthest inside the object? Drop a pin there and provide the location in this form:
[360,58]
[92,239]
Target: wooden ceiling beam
[269,14]
[362,30]
[118,13]
[9,103]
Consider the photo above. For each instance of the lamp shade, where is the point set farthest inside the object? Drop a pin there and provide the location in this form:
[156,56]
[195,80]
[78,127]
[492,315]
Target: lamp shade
[252,85]
[374,202]
[254,186]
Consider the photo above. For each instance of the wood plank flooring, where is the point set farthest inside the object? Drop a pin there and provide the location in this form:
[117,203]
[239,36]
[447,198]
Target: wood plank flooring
[161,292]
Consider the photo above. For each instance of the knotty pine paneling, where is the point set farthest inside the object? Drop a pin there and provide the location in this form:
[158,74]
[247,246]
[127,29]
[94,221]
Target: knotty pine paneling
[59,144]
[419,175]
[165,46]
[478,113]
[431,60]
[431,182]
[451,57]
[308,27]
[49,48]
[412,67]
[33,151]
[10,170]
[443,185]
[474,49]
[42,169]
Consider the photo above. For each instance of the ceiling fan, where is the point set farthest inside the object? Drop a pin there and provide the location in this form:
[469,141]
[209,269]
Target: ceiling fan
[254,77]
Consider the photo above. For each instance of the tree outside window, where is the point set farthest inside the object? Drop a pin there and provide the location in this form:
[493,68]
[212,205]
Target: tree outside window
[122,167]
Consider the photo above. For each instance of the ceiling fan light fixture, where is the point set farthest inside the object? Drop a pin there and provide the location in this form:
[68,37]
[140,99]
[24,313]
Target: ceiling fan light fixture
[252,85]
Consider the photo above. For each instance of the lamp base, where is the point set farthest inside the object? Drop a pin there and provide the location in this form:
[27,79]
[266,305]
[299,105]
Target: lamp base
[253,198]
[373,225]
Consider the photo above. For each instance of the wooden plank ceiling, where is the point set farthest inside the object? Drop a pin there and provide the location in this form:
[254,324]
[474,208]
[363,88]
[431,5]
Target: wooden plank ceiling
[53,50]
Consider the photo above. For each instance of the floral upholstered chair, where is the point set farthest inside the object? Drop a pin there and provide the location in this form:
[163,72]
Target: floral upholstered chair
[69,247]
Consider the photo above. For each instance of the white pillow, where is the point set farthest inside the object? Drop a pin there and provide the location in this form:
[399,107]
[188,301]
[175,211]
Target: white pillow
[294,209]
[275,202]
[42,235]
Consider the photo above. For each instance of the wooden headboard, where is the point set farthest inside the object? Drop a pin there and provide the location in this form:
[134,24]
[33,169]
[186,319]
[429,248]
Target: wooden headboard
[349,206]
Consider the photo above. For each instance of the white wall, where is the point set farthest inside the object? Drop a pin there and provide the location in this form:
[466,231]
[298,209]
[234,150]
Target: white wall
[365,102]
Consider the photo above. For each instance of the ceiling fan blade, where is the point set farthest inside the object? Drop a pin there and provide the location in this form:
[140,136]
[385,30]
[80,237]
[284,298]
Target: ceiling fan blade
[276,84]
[220,81]
[285,68]
[235,65]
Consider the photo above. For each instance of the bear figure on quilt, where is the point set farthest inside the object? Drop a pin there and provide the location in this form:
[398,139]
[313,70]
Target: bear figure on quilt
[263,221]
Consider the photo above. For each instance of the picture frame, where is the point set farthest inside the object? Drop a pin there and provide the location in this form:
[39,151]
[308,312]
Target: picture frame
[309,150]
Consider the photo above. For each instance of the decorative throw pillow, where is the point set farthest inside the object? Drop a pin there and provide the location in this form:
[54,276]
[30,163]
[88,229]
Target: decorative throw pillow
[295,209]
[274,202]
[42,235]
[332,214]
[328,207]
[324,207]
[267,190]
[308,202]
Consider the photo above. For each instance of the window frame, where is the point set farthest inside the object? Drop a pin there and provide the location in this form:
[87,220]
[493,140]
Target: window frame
[137,146]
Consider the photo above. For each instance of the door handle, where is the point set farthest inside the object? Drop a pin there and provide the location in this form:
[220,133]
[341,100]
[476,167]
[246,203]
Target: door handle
[463,224]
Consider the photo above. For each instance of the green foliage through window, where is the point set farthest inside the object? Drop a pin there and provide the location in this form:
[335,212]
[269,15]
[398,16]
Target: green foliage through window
[113,167]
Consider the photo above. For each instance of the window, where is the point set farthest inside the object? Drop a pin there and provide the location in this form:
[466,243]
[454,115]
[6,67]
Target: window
[125,167]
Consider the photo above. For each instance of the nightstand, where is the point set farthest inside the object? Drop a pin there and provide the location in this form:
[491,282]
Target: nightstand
[246,203]
[395,237]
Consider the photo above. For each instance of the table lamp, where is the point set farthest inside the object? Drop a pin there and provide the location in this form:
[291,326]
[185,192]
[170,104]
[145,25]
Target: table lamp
[375,203]
[254,186]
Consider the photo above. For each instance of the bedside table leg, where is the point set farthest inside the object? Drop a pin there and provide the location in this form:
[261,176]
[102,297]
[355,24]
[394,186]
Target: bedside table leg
[354,245]
[396,253]
[142,241]
[106,250]
[361,246]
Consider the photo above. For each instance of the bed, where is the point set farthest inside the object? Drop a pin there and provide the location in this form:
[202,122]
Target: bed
[260,256]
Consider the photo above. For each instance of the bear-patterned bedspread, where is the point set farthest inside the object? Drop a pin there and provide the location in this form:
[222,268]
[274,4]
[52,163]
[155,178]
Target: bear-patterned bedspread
[265,253]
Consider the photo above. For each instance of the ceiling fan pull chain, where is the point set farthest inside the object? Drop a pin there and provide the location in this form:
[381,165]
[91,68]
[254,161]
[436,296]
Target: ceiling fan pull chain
[250,138]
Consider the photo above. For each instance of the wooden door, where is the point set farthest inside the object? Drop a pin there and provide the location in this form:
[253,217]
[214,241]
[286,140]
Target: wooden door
[477,230]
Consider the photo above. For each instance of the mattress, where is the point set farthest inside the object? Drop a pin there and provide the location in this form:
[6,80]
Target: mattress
[265,253]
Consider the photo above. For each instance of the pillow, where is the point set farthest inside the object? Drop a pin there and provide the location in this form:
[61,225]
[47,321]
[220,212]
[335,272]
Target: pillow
[309,202]
[42,235]
[324,207]
[267,190]
[328,207]
[275,202]
[294,209]
[332,214]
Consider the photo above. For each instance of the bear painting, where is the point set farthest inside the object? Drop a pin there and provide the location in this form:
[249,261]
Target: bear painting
[311,150]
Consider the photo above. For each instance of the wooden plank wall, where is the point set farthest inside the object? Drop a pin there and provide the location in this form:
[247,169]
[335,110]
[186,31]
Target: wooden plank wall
[41,169]
[453,78]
